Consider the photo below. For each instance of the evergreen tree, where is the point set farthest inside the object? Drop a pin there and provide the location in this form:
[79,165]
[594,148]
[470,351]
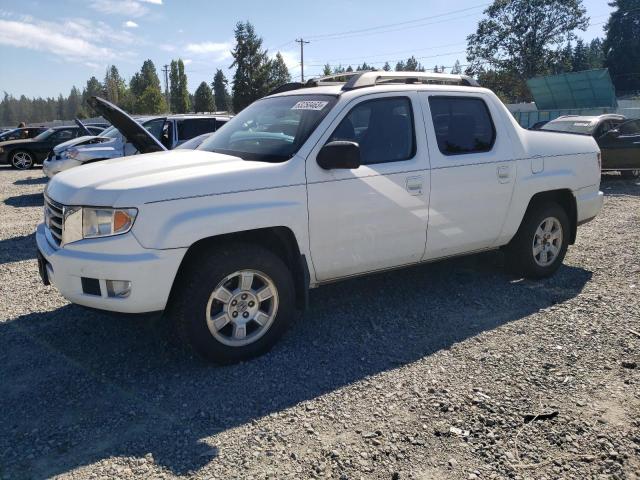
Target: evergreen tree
[74,104]
[400,66]
[326,71]
[456,69]
[93,88]
[8,115]
[349,69]
[203,99]
[622,45]
[412,65]
[278,72]
[386,67]
[338,70]
[579,59]
[60,104]
[183,99]
[595,53]
[114,86]
[151,101]
[220,92]
[250,80]
[146,83]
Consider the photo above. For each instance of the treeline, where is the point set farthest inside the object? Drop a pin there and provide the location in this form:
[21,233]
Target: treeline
[255,75]
[516,40]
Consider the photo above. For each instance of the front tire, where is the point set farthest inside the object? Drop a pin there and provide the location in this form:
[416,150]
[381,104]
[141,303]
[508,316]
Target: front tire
[541,243]
[22,160]
[233,304]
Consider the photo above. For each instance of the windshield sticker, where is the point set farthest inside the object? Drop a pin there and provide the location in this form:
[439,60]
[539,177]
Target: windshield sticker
[309,105]
[581,124]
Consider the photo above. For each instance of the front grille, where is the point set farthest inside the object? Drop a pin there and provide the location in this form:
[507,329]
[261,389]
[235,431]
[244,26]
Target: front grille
[54,218]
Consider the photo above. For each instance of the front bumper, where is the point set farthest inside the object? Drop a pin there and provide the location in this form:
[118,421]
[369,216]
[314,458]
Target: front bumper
[52,167]
[589,202]
[151,272]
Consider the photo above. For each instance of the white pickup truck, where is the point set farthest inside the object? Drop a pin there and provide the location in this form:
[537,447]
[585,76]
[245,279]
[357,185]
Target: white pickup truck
[312,185]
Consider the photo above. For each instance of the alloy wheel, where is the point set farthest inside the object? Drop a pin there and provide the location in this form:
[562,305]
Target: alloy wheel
[22,160]
[242,308]
[547,241]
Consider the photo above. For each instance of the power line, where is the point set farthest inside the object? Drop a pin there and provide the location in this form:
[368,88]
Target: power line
[378,27]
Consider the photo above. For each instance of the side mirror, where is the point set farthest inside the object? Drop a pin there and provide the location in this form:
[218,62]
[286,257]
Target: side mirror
[339,154]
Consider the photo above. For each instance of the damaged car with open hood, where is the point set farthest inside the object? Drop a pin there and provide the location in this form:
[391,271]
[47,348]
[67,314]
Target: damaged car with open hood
[128,136]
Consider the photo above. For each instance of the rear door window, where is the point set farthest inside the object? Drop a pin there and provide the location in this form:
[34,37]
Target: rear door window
[462,125]
[192,127]
[630,128]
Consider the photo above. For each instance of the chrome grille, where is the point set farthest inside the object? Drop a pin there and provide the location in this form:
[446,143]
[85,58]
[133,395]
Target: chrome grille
[54,218]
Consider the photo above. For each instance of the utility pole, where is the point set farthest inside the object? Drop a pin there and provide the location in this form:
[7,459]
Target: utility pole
[166,85]
[302,42]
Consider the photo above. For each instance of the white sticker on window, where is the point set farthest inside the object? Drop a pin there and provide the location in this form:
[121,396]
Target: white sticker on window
[581,124]
[310,105]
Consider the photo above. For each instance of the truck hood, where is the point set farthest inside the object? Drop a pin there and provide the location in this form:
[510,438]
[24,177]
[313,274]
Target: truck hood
[155,177]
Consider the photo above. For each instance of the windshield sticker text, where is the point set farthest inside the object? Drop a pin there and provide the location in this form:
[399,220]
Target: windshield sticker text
[309,105]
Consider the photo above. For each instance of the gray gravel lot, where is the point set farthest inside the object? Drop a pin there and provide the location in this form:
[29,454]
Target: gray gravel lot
[424,373]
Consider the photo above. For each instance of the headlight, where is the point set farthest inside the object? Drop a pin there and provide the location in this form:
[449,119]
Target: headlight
[90,222]
[72,153]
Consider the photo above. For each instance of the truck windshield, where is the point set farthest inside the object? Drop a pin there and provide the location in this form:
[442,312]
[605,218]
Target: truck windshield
[272,129]
[571,126]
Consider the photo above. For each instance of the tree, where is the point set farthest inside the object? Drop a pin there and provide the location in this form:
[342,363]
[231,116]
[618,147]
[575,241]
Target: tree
[400,67]
[60,104]
[580,58]
[93,88]
[151,101]
[250,80]
[386,67]
[145,83]
[521,37]
[220,92]
[622,45]
[349,69]
[203,99]
[278,72]
[74,104]
[326,70]
[114,86]
[8,115]
[456,69]
[595,53]
[178,92]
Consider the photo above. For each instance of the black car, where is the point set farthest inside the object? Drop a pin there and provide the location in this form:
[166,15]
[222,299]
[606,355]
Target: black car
[618,138]
[25,153]
[21,133]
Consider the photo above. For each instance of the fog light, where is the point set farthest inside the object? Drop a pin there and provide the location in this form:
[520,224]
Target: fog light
[118,288]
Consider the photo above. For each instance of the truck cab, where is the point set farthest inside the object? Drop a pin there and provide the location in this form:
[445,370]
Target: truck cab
[318,182]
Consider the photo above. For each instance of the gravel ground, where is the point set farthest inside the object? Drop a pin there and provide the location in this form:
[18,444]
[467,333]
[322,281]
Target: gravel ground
[427,373]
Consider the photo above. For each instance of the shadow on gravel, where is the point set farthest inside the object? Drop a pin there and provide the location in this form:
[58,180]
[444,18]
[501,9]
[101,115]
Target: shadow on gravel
[615,186]
[27,200]
[17,249]
[79,386]
[32,181]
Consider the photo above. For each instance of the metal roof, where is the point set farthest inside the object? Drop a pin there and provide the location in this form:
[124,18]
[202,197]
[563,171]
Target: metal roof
[587,89]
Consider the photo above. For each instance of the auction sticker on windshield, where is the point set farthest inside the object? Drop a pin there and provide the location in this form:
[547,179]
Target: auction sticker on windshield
[310,105]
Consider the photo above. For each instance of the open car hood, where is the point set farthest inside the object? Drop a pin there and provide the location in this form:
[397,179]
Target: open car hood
[135,133]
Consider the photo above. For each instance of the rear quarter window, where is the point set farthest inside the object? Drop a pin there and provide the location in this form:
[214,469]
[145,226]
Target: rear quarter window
[192,127]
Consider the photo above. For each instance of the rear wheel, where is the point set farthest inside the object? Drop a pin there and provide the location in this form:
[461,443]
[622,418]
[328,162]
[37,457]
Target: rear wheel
[540,245]
[234,304]
[22,160]
[630,173]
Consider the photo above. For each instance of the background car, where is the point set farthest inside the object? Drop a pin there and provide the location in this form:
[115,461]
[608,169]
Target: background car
[194,142]
[21,133]
[617,136]
[128,137]
[25,153]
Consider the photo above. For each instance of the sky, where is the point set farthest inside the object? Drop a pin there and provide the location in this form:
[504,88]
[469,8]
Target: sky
[47,46]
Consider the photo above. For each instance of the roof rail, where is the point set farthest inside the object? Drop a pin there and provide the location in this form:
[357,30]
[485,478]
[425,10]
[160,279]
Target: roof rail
[369,79]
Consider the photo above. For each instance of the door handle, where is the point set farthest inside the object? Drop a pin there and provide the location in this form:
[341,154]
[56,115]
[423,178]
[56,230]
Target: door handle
[414,185]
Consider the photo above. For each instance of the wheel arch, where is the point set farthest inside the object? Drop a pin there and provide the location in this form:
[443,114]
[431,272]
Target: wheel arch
[279,240]
[564,198]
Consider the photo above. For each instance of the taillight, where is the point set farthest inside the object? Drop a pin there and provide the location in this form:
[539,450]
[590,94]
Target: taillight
[599,157]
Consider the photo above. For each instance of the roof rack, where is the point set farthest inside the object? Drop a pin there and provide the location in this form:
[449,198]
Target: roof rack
[369,79]
[361,79]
